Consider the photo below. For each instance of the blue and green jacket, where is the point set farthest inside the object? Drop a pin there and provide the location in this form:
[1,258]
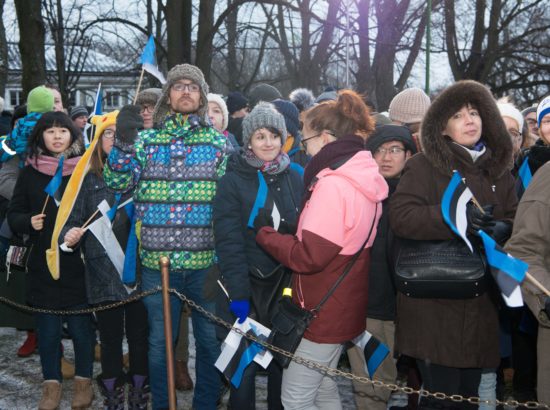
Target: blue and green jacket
[173,172]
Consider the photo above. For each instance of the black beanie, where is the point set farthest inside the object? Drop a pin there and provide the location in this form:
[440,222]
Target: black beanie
[387,133]
[291,114]
[235,102]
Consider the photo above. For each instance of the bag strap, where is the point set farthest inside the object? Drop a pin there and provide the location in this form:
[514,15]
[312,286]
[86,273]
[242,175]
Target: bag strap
[348,266]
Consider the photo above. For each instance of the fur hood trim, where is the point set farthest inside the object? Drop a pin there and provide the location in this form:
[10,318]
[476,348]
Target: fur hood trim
[494,133]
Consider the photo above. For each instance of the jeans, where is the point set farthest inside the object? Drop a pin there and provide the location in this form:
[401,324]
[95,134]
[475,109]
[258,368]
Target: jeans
[208,379]
[488,388]
[112,324]
[48,328]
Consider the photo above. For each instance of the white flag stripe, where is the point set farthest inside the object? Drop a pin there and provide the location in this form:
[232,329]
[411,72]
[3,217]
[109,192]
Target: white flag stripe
[461,221]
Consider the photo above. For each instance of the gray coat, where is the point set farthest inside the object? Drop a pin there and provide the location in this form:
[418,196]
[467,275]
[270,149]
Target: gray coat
[103,283]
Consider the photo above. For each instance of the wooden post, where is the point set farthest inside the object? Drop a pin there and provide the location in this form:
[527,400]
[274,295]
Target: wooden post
[164,263]
[139,86]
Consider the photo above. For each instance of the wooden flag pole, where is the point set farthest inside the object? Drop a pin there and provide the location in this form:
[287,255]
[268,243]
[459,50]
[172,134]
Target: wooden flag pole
[537,284]
[164,263]
[45,203]
[139,85]
[89,219]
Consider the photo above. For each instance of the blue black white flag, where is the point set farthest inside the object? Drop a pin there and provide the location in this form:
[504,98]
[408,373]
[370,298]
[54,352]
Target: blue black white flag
[453,206]
[375,351]
[52,189]
[149,60]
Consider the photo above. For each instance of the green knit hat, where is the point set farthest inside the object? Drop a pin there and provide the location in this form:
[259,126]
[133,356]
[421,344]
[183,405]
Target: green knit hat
[40,99]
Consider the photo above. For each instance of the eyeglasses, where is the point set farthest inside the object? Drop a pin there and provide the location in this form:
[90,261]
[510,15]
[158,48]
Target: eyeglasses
[393,151]
[305,140]
[180,87]
[109,134]
[147,108]
[515,134]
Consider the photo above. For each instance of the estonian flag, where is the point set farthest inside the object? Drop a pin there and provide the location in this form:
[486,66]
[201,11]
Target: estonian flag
[508,271]
[149,60]
[453,206]
[98,104]
[52,189]
[375,351]
[525,176]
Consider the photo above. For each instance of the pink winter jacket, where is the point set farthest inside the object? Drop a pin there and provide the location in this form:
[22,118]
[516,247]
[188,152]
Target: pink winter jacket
[333,225]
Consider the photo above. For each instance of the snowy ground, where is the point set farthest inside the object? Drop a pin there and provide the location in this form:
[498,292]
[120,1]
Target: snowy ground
[20,379]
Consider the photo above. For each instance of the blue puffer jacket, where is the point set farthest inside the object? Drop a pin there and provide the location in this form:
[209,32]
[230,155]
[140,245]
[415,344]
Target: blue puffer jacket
[236,246]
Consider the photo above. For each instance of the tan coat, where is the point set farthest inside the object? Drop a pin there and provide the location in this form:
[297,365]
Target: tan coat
[454,333]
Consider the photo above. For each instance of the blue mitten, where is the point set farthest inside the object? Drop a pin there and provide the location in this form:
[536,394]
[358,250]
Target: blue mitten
[240,308]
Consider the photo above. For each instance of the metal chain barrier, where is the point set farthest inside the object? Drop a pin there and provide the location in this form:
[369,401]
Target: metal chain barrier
[457,398]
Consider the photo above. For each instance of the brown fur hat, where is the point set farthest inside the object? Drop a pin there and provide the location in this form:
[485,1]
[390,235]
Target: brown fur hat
[493,133]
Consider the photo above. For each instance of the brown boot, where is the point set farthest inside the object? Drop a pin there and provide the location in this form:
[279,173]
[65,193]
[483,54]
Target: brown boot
[51,395]
[67,368]
[183,380]
[83,393]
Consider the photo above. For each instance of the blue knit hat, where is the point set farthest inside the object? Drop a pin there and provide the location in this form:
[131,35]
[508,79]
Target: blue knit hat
[543,109]
[291,114]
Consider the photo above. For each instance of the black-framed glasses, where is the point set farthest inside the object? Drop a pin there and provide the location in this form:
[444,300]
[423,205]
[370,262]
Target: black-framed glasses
[192,87]
[305,140]
[393,151]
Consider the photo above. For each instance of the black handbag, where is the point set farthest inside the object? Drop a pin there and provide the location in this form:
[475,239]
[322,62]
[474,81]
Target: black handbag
[265,292]
[444,269]
[291,321]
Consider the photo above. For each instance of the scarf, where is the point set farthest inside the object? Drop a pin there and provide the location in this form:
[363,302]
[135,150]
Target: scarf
[331,154]
[48,165]
[274,167]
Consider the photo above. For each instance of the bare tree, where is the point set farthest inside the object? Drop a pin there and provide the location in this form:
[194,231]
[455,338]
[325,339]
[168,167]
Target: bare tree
[3,51]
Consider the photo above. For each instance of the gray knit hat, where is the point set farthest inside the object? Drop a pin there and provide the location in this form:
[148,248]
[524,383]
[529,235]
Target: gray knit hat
[149,96]
[263,92]
[180,72]
[409,106]
[264,115]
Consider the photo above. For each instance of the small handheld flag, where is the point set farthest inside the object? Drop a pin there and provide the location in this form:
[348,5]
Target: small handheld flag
[52,189]
[525,175]
[375,351]
[149,60]
[98,103]
[508,271]
[453,206]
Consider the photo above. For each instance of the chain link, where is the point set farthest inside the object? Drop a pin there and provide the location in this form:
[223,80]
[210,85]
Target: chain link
[300,360]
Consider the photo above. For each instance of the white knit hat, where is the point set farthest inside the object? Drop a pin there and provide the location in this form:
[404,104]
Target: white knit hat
[508,110]
[218,99]
[543,109]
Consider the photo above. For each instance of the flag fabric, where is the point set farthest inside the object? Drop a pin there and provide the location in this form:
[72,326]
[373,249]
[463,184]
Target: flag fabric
[507,271]
[525,176]
[453,206]
[72,190]
[239,352]
[98,104]
[149,60]
[375,351]
[52,189]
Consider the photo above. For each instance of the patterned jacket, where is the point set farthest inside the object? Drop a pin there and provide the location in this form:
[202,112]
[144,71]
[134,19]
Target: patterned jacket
[173,172]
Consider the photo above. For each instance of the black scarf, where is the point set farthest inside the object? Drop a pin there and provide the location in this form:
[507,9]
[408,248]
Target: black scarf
[333,154]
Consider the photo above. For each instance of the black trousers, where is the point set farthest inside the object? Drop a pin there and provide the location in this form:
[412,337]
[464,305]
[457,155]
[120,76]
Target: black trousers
[448,380]
[112,323]
[244,398]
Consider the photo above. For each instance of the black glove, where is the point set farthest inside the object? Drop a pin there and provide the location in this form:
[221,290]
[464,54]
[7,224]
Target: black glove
[500,232]
[287,228]
[262,219]
[547,307]
[477,219]
[128,123]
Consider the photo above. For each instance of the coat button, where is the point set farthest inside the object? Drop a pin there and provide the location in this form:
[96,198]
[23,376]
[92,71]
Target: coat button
[279,188]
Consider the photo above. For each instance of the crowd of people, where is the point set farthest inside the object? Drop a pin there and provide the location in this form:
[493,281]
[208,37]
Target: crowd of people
[261,194]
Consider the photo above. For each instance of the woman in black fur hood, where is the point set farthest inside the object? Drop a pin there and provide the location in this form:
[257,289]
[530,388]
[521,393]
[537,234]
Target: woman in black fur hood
[454,339]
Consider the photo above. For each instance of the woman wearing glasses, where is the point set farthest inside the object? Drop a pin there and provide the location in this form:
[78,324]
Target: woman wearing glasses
[103,282]
[259,177]
[343,191]
[146,100]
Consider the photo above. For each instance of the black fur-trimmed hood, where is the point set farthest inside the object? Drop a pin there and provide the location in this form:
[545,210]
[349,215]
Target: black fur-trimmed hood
[494,134]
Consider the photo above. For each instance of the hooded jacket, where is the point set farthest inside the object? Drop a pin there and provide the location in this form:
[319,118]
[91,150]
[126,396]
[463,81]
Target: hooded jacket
[333,225]
[454,333]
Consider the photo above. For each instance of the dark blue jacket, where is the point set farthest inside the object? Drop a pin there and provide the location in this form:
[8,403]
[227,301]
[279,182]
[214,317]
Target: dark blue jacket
[236,247]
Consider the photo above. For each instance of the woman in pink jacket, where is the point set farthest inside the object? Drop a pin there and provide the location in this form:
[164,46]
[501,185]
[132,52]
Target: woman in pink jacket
[343,191]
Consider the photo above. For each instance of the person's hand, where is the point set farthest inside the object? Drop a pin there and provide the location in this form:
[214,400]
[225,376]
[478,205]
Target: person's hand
[37,222]
[547,307]
[479,220]
[263,218]
[128,123]
[73,236]
[240,308]
[500,232]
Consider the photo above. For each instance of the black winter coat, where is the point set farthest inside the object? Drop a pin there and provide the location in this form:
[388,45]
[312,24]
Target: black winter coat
[42,290]
[236,246]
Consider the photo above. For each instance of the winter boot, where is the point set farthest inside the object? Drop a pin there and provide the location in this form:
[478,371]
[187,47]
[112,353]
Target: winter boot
[51,395]
[67,368]
[83,393]
[183,380]
[29,346]
[138,392]
[113,392]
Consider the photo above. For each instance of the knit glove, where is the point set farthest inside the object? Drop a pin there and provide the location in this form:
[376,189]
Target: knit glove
[128,123]
[263,218]
[240,308]
[479,220]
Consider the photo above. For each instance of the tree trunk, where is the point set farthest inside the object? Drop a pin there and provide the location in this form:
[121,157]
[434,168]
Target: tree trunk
[205,37]
[232,72]
[3,52]
[31,44]
[178,15]
[364,75]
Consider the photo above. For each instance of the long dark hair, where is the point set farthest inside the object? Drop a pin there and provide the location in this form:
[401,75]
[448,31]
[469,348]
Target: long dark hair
[50,119]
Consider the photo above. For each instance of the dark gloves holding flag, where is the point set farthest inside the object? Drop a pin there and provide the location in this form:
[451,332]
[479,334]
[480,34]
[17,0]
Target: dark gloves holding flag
[263,218]
[128,123]
[478,219]
[240,308]
[500,232]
